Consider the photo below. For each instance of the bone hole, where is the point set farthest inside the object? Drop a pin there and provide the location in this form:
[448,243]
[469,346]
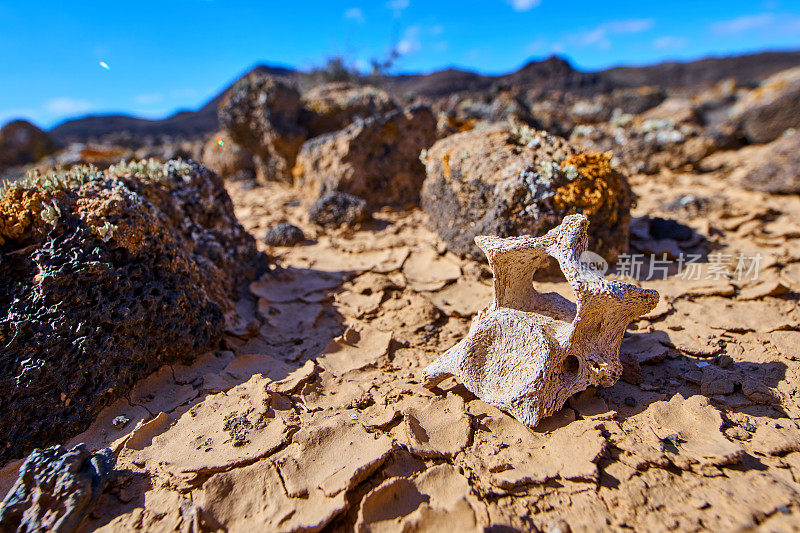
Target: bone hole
[570,366]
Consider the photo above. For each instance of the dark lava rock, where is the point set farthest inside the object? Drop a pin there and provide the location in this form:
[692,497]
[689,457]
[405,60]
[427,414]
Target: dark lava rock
[231,161]
[603,106]
[284,234]
[509,181]
[56,489]
[462,113]
[766,112]
[337,208]
[105,277]
[648,145]
[262,114]
[334,106]
[21,142]
[774,167]
[376,159]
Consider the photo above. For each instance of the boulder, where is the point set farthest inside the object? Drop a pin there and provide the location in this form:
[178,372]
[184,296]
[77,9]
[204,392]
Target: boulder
[773,168]
[603,106]
[376,159]
[21,143]
[105,277]
[766,112]
[462,113]
[649,145]
[228,159]
[262,114]
[334,106]
[507,181]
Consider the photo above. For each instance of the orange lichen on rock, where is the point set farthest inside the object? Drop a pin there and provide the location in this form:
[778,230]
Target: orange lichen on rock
[597,190]
[21,214]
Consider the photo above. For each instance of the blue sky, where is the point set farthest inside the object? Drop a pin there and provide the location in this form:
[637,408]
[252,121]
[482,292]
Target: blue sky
[165,55]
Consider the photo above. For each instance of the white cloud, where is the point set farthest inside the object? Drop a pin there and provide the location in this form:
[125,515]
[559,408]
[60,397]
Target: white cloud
[410,42]
[669,42]
[354,13]
[743,24]
[524,5]
[148,98]
[630,26]
[600,36]
[397,5]
[67,106]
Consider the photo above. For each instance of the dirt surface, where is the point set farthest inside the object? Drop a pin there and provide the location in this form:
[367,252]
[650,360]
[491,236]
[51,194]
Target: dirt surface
[314,415]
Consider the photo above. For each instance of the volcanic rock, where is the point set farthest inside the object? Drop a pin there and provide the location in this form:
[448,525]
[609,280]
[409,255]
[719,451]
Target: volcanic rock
[773,167]
[507,181]
[262,114]
[284,234]
[106,276]
[336,209]
[56,489]
[21,142]
[231,161]
[335,106]
[376,159]
[647,146]
[766,112]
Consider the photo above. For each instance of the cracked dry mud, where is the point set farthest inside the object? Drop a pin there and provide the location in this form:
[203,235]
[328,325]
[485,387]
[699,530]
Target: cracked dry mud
[314,416]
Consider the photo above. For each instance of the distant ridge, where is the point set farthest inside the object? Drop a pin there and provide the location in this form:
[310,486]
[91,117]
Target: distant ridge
[551,74]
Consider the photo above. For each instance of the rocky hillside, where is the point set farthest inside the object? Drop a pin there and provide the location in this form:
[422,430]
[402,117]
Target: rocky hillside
[552,74]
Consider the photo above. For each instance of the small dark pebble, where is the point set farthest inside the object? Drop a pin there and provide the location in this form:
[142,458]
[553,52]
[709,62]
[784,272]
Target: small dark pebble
[747,426]
[784,509]
[338,208]
[284,234]
[630,401]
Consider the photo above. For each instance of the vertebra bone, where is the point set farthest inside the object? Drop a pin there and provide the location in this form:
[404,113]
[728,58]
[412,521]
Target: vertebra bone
[528,352]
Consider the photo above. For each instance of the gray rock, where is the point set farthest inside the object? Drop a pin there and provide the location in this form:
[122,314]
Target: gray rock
[262,114]
[56,489]
[337,208]
[766,112]
[376,159]
[507,181]
[284,234]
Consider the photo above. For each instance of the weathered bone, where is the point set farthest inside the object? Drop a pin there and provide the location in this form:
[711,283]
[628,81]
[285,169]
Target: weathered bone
[528,352]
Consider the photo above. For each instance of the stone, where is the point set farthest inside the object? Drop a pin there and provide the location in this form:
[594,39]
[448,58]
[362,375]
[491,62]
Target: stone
[772,108]
[228,159]
[106,277]
[56,489]
[603,106]
[376,158]
[284,234]
[262,114]
[772,168]
[334,106]
[21,143]
[527,353]
[338,209]
[507,181]
[647,146]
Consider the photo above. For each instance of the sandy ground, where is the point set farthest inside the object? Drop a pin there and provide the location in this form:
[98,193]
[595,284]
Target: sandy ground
[315,416]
